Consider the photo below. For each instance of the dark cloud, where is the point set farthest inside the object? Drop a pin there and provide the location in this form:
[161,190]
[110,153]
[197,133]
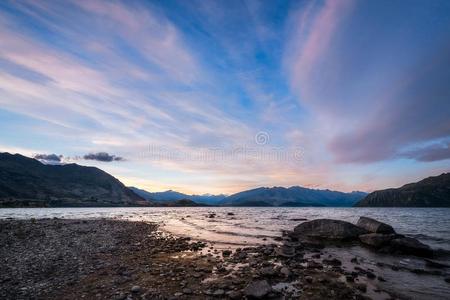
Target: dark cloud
[431,153]
[102,156]
[48,157]
[416,112]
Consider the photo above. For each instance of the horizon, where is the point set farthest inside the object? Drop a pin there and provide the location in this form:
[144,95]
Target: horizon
[217,98]
[221,194]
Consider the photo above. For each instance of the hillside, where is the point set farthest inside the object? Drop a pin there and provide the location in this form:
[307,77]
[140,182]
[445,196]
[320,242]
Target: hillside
[27,182]
[429,192]
[293,196]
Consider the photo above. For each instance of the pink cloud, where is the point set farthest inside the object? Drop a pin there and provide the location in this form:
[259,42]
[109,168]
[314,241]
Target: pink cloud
[313,32]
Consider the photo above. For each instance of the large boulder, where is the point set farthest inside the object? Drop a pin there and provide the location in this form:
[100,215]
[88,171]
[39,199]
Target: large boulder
[406,245]
[328,229]
[375,226]
[376,240]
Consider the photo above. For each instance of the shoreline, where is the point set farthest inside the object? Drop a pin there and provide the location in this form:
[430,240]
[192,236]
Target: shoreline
[116,259]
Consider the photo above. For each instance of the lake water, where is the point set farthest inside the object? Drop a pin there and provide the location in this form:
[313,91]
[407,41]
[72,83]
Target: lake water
[250,225]
[246,226]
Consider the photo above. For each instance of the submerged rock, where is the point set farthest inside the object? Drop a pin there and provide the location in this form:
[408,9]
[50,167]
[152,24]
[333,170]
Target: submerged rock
[329,229]
[257,289]
[412,246]
[374,226]
[376,240]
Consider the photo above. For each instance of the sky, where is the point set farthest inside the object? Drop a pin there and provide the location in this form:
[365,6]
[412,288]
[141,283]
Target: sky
[223,96]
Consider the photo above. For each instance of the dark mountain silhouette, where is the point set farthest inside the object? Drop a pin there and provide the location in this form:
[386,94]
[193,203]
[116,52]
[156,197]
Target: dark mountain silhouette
[27,182]
[429,192]
[293,196]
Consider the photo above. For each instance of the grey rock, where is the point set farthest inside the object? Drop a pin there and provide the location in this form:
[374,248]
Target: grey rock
[374,226]
[234,295]
[285,271]
[218,292]
[257,289]
[135,289]
[376,239]
[285,251]
[412,246]
[328,229]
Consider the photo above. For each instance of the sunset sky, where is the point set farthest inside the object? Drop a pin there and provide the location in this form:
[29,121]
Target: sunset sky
[222,96]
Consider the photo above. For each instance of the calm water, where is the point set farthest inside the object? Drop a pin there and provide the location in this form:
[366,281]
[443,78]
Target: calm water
[234,226]
[250,225]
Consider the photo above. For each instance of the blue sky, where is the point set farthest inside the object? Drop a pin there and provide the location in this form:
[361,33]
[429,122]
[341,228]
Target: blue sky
[345,94]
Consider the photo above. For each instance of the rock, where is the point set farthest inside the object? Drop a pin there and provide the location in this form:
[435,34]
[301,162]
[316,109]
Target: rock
[230,214]
[187,291]
[309,279]
[234,295]
[361,286]
[447,279]
[285,251]
[285,271]
[121,296]
[329,229]
[374,226]
[257,289]
[313,265]
[135,289]
[218,292]
[412,246]
[332,262]
[268,271]
[226,252]
[370,275]
[376,240]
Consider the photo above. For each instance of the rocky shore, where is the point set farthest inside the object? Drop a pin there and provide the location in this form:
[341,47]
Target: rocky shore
[112,259]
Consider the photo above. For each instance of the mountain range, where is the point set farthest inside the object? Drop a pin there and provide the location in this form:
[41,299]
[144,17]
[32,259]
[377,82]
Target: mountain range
[430,192]
[176,196]
[276,196]
[27,182]
[294,196]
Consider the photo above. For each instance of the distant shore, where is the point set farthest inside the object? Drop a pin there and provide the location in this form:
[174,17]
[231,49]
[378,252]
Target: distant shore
[112,259]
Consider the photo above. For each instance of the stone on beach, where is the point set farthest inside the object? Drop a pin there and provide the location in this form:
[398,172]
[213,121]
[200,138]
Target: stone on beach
[329,229]
[285,251]
[376,239]
[257,289]
[374,226]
